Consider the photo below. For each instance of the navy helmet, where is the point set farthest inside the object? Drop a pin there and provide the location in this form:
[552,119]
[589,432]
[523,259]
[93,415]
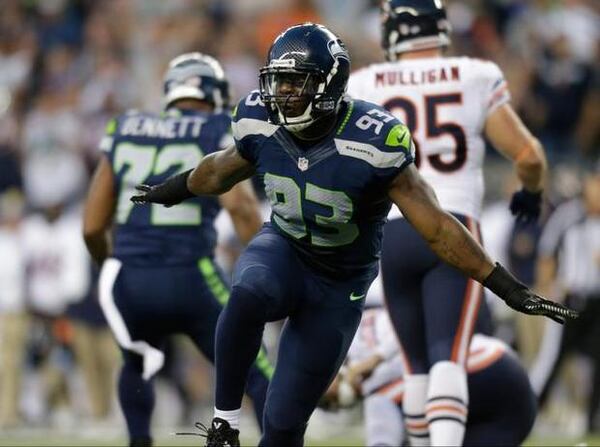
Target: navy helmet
[196,76]
[315,62]
[412,25]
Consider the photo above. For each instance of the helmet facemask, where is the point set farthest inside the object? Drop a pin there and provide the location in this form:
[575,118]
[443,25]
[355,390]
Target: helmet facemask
[295,99]
[305,77]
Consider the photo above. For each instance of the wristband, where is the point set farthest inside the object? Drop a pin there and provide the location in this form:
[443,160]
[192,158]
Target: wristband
[502,282]
[177,185]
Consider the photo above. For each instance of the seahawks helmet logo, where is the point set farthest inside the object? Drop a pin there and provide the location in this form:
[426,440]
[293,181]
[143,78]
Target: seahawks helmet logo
[337,50]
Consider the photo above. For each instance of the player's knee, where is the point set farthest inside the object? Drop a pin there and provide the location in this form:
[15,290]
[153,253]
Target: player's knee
[260,280]
[275,435]
[245,305]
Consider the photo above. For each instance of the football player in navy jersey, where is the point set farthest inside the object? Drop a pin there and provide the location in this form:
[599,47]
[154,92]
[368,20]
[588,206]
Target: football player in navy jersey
[331,166]
[158,271]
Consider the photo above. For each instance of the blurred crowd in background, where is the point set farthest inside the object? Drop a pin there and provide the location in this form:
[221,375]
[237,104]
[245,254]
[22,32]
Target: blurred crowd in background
[67,66]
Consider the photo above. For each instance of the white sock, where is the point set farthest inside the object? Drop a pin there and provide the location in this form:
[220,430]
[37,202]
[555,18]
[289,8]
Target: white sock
[447,404]
[413,407]
[231,416]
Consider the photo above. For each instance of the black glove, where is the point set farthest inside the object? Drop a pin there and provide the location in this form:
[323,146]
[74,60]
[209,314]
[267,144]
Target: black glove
[526,205]
[171,192]
[521,299]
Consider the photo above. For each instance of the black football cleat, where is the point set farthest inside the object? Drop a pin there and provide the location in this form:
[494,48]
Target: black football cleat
[220,434]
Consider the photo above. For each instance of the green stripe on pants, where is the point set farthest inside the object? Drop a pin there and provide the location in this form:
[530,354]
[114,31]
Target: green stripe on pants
[221,293]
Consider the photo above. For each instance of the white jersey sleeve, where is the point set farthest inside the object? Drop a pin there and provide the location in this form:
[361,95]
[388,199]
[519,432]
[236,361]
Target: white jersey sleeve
[445,103]
[494,87]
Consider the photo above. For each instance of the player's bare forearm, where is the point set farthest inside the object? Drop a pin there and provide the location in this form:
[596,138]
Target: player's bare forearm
[243,207]
[99,246]
[98,212]
[218,172]
[531,166]
[455,245]
[511,137]
[446,236]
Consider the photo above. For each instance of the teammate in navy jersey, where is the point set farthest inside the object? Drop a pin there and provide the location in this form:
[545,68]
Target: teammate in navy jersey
[332,167]
[158,272]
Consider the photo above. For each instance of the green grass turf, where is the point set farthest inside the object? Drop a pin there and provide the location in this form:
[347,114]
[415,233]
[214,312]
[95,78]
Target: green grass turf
[49,439]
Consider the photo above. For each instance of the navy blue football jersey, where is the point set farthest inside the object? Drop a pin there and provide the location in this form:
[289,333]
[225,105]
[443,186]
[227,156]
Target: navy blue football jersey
[147,148]
[328,198]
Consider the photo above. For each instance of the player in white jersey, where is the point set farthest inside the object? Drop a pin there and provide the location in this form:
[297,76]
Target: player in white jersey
[450,104]
[495,376]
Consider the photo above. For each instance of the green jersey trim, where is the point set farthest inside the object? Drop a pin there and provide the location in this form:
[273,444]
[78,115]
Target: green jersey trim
[346,118]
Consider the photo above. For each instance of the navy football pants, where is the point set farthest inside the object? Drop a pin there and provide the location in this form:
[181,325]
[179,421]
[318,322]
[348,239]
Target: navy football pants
[152,304]
[272,283]
[502,406]
[433,306]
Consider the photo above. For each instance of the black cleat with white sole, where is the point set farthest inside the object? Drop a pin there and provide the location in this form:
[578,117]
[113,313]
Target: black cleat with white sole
[220,434]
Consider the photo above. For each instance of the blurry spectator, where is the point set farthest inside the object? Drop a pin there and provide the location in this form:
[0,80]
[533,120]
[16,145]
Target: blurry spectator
[95,350]
[13,320]
[278,18]
[10,169]
[514,244]
[588,128]
[239,58]
[53,167]
[59,23]
[57,275]
[17,51]
[560,41]
[579,23]
[105,94]
[560,86]
[569,265]
[57,262]
[496,227]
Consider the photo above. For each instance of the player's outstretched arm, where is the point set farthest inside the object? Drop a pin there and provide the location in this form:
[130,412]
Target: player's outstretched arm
[98,212]
[214,175]
[453,244]
[510,137]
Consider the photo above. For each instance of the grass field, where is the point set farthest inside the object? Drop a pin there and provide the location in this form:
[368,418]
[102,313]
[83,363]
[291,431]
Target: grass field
[41,438]
[325,429]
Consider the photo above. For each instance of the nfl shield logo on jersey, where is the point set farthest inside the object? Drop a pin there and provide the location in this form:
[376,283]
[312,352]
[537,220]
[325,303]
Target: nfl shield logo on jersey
[302,163]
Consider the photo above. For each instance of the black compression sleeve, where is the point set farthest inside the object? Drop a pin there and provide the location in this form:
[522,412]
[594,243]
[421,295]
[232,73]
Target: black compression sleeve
[172,191]
[502,282]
